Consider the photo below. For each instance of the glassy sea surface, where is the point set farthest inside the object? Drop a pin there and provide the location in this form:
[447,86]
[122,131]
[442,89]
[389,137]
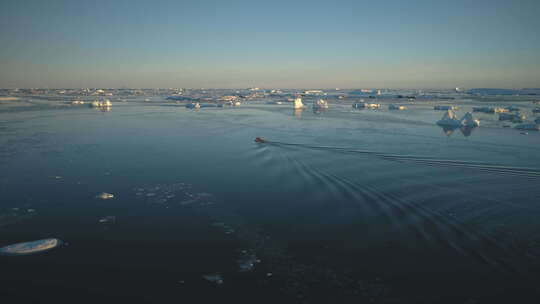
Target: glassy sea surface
[341,206]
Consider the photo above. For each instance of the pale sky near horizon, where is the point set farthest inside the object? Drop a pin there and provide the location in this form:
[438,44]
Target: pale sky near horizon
[286,44]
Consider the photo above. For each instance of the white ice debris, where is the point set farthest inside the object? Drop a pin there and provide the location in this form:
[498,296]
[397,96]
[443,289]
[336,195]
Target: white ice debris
[101,104]
[469,121]
[77,102]
[105,195]
[193,105]
[320,104]
[449,119]
[30,247]
[298,103]
[396,107]
[489,110]
[362,105]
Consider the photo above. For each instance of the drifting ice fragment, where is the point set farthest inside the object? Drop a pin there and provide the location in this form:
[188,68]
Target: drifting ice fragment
[445,108]
[108,219]
[30,247]
[516,117]
[449,119]
[105,195]
[214,278]
[192,105]
[396,107]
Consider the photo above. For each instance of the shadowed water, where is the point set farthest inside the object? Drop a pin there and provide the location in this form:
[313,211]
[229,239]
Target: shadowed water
[338,206]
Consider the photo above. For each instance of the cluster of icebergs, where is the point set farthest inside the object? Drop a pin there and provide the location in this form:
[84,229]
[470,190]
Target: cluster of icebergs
[449,119]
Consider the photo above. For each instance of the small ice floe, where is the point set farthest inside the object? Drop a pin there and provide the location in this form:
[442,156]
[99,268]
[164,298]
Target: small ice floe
[108,219]
[193,105]
[445,108]
[101,104]
[320,104]
[105,195]
[515,117]
[32,247]
[247,261]
[77,102]
[274,102]
[297,104]
[449,120]
[469,121]
[213,278]
[528,127]
[396,107]
[364,105]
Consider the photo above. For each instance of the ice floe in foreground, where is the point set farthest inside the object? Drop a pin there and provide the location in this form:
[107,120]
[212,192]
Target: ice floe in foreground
[30,247]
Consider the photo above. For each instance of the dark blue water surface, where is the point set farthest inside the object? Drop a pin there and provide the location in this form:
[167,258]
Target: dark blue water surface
[344,206]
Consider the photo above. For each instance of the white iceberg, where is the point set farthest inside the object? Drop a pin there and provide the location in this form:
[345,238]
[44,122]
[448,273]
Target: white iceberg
[469,121]
[298,103]
[449,119]
[320,104]
[30,247]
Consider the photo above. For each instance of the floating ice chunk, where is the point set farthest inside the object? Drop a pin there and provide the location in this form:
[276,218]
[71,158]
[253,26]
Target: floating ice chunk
[30,247]
[108,219]
[396,107]
[297,104]
[445,108]
[77,102]
[214,278]
[469,121]
[489,110]
[528,127]
[362,105]
[449,119]
[247,261]
[274,102]
[536,110]
[105,195]
[320,104]
[193,105]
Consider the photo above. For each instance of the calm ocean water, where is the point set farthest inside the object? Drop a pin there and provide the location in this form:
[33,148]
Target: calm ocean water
[344,206]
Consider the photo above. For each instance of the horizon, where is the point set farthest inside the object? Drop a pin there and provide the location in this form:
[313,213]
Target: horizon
[241,44]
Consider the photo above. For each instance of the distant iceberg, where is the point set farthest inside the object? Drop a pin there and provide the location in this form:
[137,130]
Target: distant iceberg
[320,104]
[193,105]
[298,103]
[516,117]
[449,120]
[27,248]
[396,107]
[445,108]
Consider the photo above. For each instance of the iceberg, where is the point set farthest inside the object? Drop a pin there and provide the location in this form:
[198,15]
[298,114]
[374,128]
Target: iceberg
[517,117]
[489,110]
[445,108]
[363,105]
[193,105]
[469,121]
[449,119]
[105,195]
[396,107]
[536,110]
[298,103]
[27,248]
[320,104]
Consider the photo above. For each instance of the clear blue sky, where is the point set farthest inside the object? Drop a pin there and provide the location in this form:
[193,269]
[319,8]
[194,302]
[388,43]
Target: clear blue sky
[311,44]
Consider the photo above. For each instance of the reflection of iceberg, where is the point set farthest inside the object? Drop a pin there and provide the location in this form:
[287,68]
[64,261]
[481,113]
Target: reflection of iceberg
[30,247]
[516,117]
[449,119]
[298,103]
[528,127]
[469,121]
[297,113]
[466,130]
[448,130]
[320,104]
